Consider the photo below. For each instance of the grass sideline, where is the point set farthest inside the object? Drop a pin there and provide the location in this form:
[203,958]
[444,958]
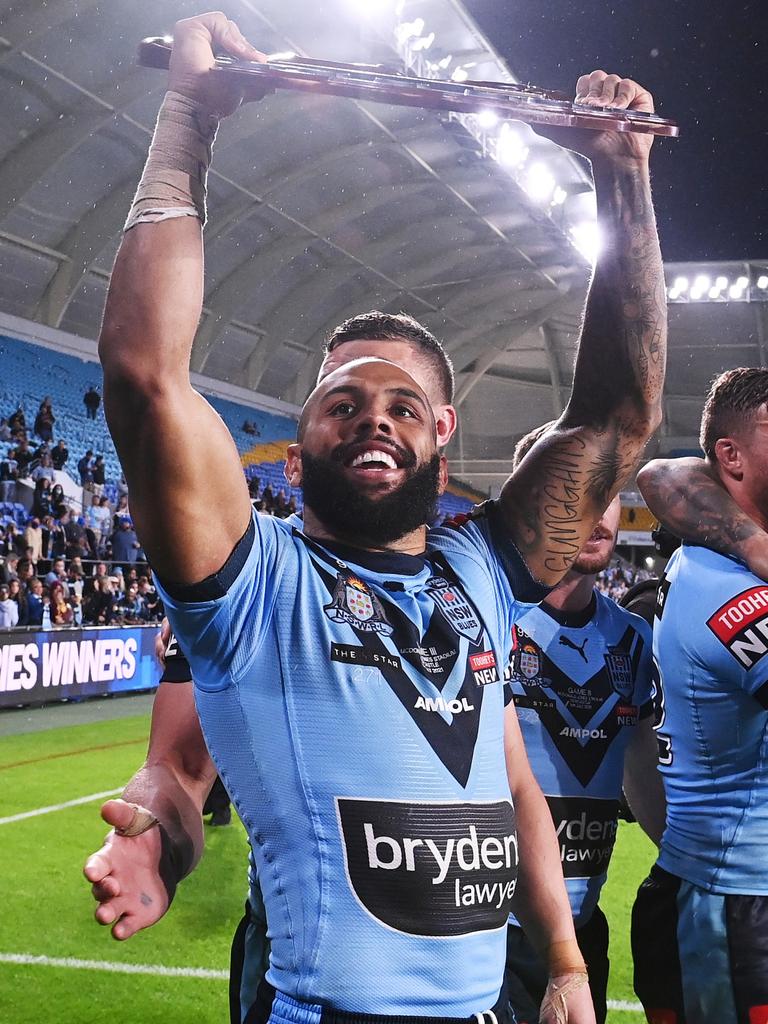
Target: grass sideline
[47,907]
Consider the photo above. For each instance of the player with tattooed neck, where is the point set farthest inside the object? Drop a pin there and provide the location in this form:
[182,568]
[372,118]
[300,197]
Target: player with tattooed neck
[361,767]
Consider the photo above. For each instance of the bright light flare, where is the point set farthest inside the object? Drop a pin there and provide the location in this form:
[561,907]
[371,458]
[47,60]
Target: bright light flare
[510,148]
[539,183]
[681,284]
[762,282]
[487,119]
[588,240]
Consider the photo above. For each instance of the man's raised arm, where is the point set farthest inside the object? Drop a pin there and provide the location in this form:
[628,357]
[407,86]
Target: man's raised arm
[557,494]
[687,496]
[180,462]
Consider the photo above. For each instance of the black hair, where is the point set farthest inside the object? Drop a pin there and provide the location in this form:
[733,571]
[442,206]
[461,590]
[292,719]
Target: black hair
[733,399]
[378,326]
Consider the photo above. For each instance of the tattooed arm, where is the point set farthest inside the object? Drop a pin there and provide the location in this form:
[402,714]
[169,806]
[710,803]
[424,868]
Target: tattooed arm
[554,498]
[687,497]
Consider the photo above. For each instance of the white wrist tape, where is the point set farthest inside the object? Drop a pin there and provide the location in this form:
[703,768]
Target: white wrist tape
[557,992]
[142,821]
[174,180]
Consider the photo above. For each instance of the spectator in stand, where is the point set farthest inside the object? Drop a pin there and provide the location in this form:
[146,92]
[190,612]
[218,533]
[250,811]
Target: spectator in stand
[17,422]
[25,570]
[75,574]
[13,541]
[9,474]
[23,457]
[33,538]
[60,454]
[292,505]
[101,520]
[58,501]
[91,401]
[100,609]
[122,488]
[132,607]
[44,420]
[85,469]
[35,602]
[44,470]
[61,610]
[151,599]
[8,568]
[251,429]
[41,499]
[57,574]
[99,474]
[74,536]
[281,504]
[16,594]
[9,610]
[268,497]
[5,430]
[90,583]
[253,488]
[121,512]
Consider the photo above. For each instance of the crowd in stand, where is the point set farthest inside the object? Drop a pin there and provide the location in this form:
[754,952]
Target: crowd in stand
[62,567]
[616,580]
[265,500]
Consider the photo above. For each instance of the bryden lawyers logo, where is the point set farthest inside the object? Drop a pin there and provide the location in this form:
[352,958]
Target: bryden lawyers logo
[433,869]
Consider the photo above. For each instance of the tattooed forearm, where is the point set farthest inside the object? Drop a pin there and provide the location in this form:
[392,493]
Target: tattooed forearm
[687,498]
[622,352]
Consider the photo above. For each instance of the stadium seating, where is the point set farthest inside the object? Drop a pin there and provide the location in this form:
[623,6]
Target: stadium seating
[30,372]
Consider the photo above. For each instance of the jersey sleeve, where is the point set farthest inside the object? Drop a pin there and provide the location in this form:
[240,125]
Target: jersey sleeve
[737,621]
[221,621]
[481,538]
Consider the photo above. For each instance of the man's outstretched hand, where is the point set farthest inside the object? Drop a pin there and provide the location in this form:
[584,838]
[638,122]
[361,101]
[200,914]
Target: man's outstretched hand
[599,89]
[196,41]
[125,875]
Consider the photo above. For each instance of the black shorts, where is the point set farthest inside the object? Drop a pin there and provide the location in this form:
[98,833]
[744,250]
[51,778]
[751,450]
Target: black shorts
[700,957]
[526,975]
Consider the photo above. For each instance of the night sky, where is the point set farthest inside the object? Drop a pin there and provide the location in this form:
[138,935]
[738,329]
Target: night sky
[706,64]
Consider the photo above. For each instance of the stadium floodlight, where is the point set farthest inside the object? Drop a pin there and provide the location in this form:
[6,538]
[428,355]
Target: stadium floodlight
[681,284]
[714,292]
[721,282]
[734,292]
[742,281]
[539,183]
[510,148]
[702,283]
[648,562]
[762,282]
[587,239]
[459,75]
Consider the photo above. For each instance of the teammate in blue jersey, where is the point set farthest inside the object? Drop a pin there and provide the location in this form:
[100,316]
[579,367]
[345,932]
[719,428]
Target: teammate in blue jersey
[347,673]
[580,677]
[700,923]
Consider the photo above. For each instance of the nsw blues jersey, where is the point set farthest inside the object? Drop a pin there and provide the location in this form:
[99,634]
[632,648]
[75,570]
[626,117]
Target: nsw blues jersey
[581,682]
[711,648]
[353,704]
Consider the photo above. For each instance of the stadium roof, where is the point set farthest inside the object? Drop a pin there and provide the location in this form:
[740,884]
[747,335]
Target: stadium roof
[321,207]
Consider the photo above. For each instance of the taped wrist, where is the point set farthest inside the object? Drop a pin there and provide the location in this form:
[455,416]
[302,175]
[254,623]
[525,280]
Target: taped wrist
[555,1002]
[565,958]
[173,183]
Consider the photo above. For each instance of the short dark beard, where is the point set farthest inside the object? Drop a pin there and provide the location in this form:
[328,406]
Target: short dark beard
[365,521]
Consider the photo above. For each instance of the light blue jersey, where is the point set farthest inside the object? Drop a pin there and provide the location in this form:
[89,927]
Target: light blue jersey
[353,705]
[711,648]
[581,682]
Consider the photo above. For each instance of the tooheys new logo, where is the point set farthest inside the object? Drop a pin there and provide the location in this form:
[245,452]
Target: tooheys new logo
[437,870]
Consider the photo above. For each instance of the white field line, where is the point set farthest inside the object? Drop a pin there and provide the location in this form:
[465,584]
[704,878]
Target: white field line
[177,972]
[110,965]
[59,807]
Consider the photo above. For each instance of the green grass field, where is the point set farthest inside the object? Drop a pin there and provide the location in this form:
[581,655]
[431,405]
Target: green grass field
[46,909]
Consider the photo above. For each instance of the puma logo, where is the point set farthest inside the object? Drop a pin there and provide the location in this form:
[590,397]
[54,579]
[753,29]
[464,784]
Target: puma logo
[567,642]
